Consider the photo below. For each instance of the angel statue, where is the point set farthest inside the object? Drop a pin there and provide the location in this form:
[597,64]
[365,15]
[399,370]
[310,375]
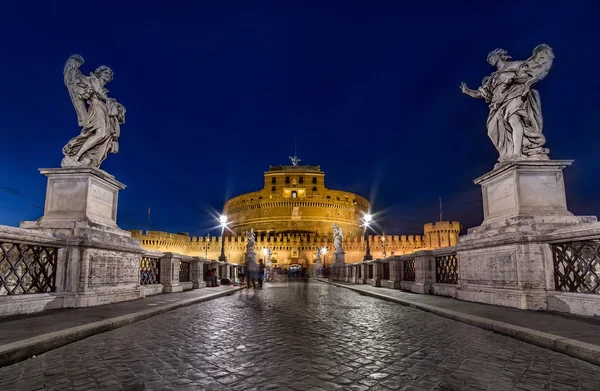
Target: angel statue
[338,236]
[99,116]
[251,241]
[515,122]
[318,255]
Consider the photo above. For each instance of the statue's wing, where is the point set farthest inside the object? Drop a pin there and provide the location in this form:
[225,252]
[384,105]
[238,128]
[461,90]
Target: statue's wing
[540,62]
[77,85]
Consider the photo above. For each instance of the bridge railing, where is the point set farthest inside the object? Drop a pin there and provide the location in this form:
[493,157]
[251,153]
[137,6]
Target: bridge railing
[29,262]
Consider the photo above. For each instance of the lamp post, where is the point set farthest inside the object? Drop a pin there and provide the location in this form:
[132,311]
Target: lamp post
[206,245]
[367,220]
[383,244]
[223,220]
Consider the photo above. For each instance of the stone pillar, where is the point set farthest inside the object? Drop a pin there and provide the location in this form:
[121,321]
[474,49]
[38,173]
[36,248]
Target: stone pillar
[169,273]
[395,274]
[339,260]
[505,261]
[376,278]
[364,269]
[197,273]
[424,272]
[102,261]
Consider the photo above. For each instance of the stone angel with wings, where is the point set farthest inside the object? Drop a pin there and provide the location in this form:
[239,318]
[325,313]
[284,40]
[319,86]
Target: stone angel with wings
[99,116]
[515,121]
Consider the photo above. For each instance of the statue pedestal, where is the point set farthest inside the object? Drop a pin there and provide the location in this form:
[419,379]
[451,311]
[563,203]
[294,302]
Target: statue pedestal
[525,188]
[79,197]
[506,260]
[101,262]
[339,260]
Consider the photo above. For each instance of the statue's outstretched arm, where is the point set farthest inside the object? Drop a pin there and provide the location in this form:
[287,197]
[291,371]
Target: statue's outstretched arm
[470,92]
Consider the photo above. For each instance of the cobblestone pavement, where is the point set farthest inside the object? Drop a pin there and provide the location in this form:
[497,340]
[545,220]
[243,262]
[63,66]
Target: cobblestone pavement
[300,336]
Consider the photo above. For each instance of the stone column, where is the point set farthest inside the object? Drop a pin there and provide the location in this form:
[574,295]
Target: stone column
[339,260]
[395,276]
[364,269]
[376,278]
[197,273]
[424,272]
[169,273]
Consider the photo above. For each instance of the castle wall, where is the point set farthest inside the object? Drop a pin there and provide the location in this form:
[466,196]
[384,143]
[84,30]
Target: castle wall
[287,249]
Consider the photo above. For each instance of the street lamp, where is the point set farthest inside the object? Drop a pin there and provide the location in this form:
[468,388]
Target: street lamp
[367,220]
[207,242]
[223,221]
[383,244]
[324,253]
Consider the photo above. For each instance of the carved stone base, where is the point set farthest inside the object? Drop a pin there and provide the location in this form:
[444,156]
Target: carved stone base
[524,188]
[79,197]
[506,260]
[339,258]
[101,262]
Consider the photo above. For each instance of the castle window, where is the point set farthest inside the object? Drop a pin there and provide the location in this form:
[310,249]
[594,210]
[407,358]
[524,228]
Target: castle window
[273,180]
[314,180]
[328,197]
[301,180]
[287,179]
[272,188]
[294,194]
[314,188]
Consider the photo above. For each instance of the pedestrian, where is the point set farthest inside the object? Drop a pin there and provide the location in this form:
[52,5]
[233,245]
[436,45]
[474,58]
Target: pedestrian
[261,273]
[251,270]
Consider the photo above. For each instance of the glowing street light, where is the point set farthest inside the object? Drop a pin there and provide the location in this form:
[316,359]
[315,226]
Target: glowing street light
[384,244]
[223,221]
[324,252]
[368,218]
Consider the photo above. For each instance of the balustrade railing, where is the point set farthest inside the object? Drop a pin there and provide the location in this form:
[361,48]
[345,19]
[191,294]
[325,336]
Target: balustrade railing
[149,271]
[27,268]
[446,269]
[409,270]
[184,271]
[577,266]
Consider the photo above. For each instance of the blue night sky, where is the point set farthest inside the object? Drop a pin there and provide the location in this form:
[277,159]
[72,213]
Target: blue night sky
[215,91]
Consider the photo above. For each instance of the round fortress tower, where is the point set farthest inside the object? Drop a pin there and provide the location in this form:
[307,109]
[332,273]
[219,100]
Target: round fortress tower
[294,199]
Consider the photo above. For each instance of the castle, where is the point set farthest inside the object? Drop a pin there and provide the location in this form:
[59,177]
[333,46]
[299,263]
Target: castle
[293,215]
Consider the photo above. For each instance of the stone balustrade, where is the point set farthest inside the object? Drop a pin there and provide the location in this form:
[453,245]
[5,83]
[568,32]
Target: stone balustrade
[570,270]
[38,271]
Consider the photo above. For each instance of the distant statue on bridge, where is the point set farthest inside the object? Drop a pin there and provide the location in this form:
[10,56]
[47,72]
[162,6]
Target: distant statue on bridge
[251,241]
[338,237]
[99,116]
[318,254]
[515,121]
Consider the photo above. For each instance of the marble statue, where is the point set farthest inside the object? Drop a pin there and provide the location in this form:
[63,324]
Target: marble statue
[99,116]
[269,254]
[515,122]
[318,254]
[338,236]
[251,241]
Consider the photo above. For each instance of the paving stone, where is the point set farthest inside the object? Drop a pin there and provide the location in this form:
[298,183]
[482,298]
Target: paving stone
[299,337]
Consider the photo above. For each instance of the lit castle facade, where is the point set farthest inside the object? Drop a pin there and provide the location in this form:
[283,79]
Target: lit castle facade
[293,215]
